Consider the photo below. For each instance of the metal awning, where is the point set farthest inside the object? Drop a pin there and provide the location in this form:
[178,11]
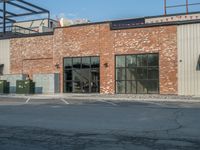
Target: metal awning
[12,10]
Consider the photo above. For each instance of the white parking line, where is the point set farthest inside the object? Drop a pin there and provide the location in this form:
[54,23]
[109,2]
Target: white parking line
[66,102]
[108,102]
[28,100]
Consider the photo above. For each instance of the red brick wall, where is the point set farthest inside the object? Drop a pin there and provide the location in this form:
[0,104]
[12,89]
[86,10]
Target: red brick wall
[92,40]
[98,40]
[160,40]
[32,55]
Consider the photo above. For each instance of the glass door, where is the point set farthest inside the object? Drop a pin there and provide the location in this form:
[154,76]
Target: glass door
[81,75]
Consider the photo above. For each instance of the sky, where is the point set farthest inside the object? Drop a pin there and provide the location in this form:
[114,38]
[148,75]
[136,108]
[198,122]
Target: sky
[102,10]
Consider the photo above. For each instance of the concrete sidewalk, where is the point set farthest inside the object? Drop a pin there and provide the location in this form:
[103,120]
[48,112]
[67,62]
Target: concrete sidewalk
[116,97]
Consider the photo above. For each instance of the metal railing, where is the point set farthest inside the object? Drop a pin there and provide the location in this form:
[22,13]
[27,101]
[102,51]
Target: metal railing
[17,30]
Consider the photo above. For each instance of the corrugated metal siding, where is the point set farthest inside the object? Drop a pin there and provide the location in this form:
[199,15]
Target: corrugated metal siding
[5,55]
[188,55]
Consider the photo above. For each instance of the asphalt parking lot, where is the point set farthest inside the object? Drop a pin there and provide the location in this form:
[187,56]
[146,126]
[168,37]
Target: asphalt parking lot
[95,124]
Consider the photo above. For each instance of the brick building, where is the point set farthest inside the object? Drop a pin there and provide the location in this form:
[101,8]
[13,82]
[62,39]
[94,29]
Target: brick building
[152,55]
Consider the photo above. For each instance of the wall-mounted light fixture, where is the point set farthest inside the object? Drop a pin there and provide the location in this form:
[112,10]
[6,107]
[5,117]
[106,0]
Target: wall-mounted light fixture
[106,65]
[57,66]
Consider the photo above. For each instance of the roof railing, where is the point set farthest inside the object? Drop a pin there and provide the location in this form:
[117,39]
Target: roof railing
[18,30]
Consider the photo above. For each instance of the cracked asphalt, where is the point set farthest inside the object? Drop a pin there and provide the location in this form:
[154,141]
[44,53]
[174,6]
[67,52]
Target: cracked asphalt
[69,124]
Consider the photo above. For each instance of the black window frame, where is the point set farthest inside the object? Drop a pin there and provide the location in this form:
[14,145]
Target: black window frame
[198,64]
[136,68]
[97,82]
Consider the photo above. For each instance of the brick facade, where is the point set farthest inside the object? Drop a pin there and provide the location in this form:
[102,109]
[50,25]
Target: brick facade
[162,40]
[31,55]
[41,54]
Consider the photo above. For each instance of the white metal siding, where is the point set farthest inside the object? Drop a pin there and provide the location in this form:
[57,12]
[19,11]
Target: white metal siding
[188,54]
[5,55]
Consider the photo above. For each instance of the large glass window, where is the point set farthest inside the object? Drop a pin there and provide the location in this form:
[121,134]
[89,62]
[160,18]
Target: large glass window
[68,63]
[95,62]
[131,61]
[137,74]
[76,63]
[120,61]
[86,62]
[121,74]
[81,75]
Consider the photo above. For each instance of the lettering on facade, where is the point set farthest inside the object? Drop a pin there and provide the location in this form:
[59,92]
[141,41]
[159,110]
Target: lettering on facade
[131,23]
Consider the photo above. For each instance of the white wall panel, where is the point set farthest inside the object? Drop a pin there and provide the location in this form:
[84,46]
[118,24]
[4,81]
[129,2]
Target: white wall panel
[5,55]
[46,83]
[188,55]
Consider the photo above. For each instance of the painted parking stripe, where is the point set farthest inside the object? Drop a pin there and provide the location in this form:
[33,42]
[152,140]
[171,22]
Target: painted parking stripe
[111,103]
[28,100]
[66,102]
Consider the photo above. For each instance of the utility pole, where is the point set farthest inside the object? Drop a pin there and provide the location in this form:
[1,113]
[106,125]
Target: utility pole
[165,6]
[187,7]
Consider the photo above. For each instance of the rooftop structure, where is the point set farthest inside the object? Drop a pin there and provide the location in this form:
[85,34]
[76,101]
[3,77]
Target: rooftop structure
[14,11]
[187,5]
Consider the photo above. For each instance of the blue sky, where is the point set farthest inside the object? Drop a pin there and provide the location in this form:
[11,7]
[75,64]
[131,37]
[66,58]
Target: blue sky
[101,10]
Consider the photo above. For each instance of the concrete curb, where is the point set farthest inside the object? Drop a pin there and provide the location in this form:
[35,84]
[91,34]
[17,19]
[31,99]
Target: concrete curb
[119,98]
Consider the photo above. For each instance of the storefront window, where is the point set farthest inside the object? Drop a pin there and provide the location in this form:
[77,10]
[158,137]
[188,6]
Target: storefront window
[76,63]
[95,62]
[68,63]
[86,62]
[120,87]
[131,61]
[137,74]
[120,61]
[153,60]
[141,60]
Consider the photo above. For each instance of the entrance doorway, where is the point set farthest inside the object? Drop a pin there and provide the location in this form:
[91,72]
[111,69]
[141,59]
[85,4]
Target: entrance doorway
[81,75]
